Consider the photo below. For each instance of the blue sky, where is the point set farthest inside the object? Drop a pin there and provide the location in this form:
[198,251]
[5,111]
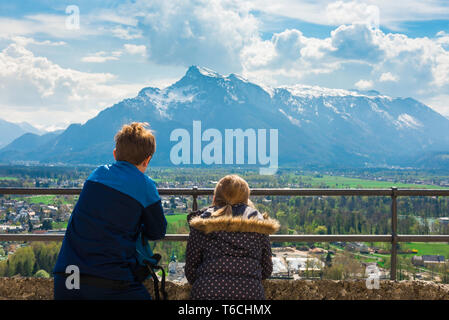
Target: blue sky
[52,74]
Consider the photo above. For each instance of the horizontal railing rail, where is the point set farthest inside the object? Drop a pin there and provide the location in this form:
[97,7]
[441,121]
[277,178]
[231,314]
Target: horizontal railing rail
[273,238]
[385,192]
[394,238]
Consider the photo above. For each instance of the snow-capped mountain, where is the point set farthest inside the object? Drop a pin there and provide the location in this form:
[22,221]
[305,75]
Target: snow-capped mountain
[316,126]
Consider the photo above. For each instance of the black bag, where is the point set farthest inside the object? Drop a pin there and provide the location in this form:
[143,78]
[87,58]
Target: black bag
[148,266]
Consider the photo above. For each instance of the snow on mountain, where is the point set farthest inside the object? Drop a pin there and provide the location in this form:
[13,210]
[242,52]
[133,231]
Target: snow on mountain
[317,126]
[406,120]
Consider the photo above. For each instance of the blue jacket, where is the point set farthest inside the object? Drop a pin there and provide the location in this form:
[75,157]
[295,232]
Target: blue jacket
[116,204]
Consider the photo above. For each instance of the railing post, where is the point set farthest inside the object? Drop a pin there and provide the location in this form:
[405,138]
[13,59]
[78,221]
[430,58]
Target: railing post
[394,232]
[195,196]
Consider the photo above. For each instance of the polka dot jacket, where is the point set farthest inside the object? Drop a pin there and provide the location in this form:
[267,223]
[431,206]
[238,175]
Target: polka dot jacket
[227,257]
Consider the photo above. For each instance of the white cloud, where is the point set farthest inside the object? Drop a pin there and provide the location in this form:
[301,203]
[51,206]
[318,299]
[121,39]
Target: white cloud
[257,54]
[120,17]
[102,56]
[135,49]
[353,12]
[392,13]
[126,33]
[388,76]
[24,41]
[357,41]
[49,24]
[397,64]
[205,32]
[439,103]
[225,35]
[35,89]
[364,84]
[288,55]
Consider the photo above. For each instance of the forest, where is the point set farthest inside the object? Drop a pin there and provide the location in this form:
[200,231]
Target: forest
[297,214]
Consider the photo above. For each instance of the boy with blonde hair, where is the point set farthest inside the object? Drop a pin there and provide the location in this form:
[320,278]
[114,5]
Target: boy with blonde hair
[117,203]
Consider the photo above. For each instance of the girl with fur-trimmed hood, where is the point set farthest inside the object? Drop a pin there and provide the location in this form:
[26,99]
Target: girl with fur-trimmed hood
[228,252]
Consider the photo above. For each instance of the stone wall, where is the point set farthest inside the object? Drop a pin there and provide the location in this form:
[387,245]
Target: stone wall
[42,289]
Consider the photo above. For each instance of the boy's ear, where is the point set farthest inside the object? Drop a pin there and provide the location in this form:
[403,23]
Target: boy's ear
[113,152]
[147,160]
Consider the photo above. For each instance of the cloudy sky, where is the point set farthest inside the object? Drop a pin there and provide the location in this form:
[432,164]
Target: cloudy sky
[58,68]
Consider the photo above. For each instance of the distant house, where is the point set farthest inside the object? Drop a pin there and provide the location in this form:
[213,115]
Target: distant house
[279,267]
[52,209]
[428,260]
[351,247]
[7,228]
[433,259]
[176,271]
[368,264]
[364,249]
[39,231]
[301,264]
[417,261]
[35,220]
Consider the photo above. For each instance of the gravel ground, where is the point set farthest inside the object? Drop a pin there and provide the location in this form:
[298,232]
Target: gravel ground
[18,288]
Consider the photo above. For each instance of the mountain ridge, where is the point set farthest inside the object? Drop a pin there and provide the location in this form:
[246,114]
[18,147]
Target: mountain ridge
[9,131]
[317,126]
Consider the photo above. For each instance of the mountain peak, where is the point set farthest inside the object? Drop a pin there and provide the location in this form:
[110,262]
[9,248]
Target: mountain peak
[195,71]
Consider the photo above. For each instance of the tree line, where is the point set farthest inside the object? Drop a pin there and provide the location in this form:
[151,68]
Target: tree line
[36,259]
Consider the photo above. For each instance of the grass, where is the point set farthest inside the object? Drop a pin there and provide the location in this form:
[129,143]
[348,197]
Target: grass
[9,178]
[170,219]
[345,182]
[59,225]
[176,217]
[429,248]
[45,199]
[424,248]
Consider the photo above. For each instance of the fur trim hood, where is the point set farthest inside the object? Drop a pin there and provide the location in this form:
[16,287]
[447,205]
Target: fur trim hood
[250,220]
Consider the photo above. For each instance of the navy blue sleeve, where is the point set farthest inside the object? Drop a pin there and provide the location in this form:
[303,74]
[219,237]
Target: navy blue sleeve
[154,224]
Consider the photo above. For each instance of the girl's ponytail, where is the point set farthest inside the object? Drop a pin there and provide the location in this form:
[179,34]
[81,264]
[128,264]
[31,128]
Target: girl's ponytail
[225,210]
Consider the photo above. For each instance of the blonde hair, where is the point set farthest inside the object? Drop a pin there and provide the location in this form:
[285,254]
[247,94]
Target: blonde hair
[134,143]
[230,190]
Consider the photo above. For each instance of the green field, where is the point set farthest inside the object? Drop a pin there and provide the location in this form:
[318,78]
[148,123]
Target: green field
[9,178]
[45,199]
[176,217]
[170,219]
[430,248]
[424,248]
[48,199]
[59,225]
[344,182]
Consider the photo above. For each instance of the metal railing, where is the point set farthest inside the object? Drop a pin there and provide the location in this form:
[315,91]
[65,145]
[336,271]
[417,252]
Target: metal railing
[394,238]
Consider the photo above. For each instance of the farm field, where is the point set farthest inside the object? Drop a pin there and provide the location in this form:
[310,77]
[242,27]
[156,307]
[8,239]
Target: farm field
[47,199]
[430,248]
[345,182]
[9,178]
